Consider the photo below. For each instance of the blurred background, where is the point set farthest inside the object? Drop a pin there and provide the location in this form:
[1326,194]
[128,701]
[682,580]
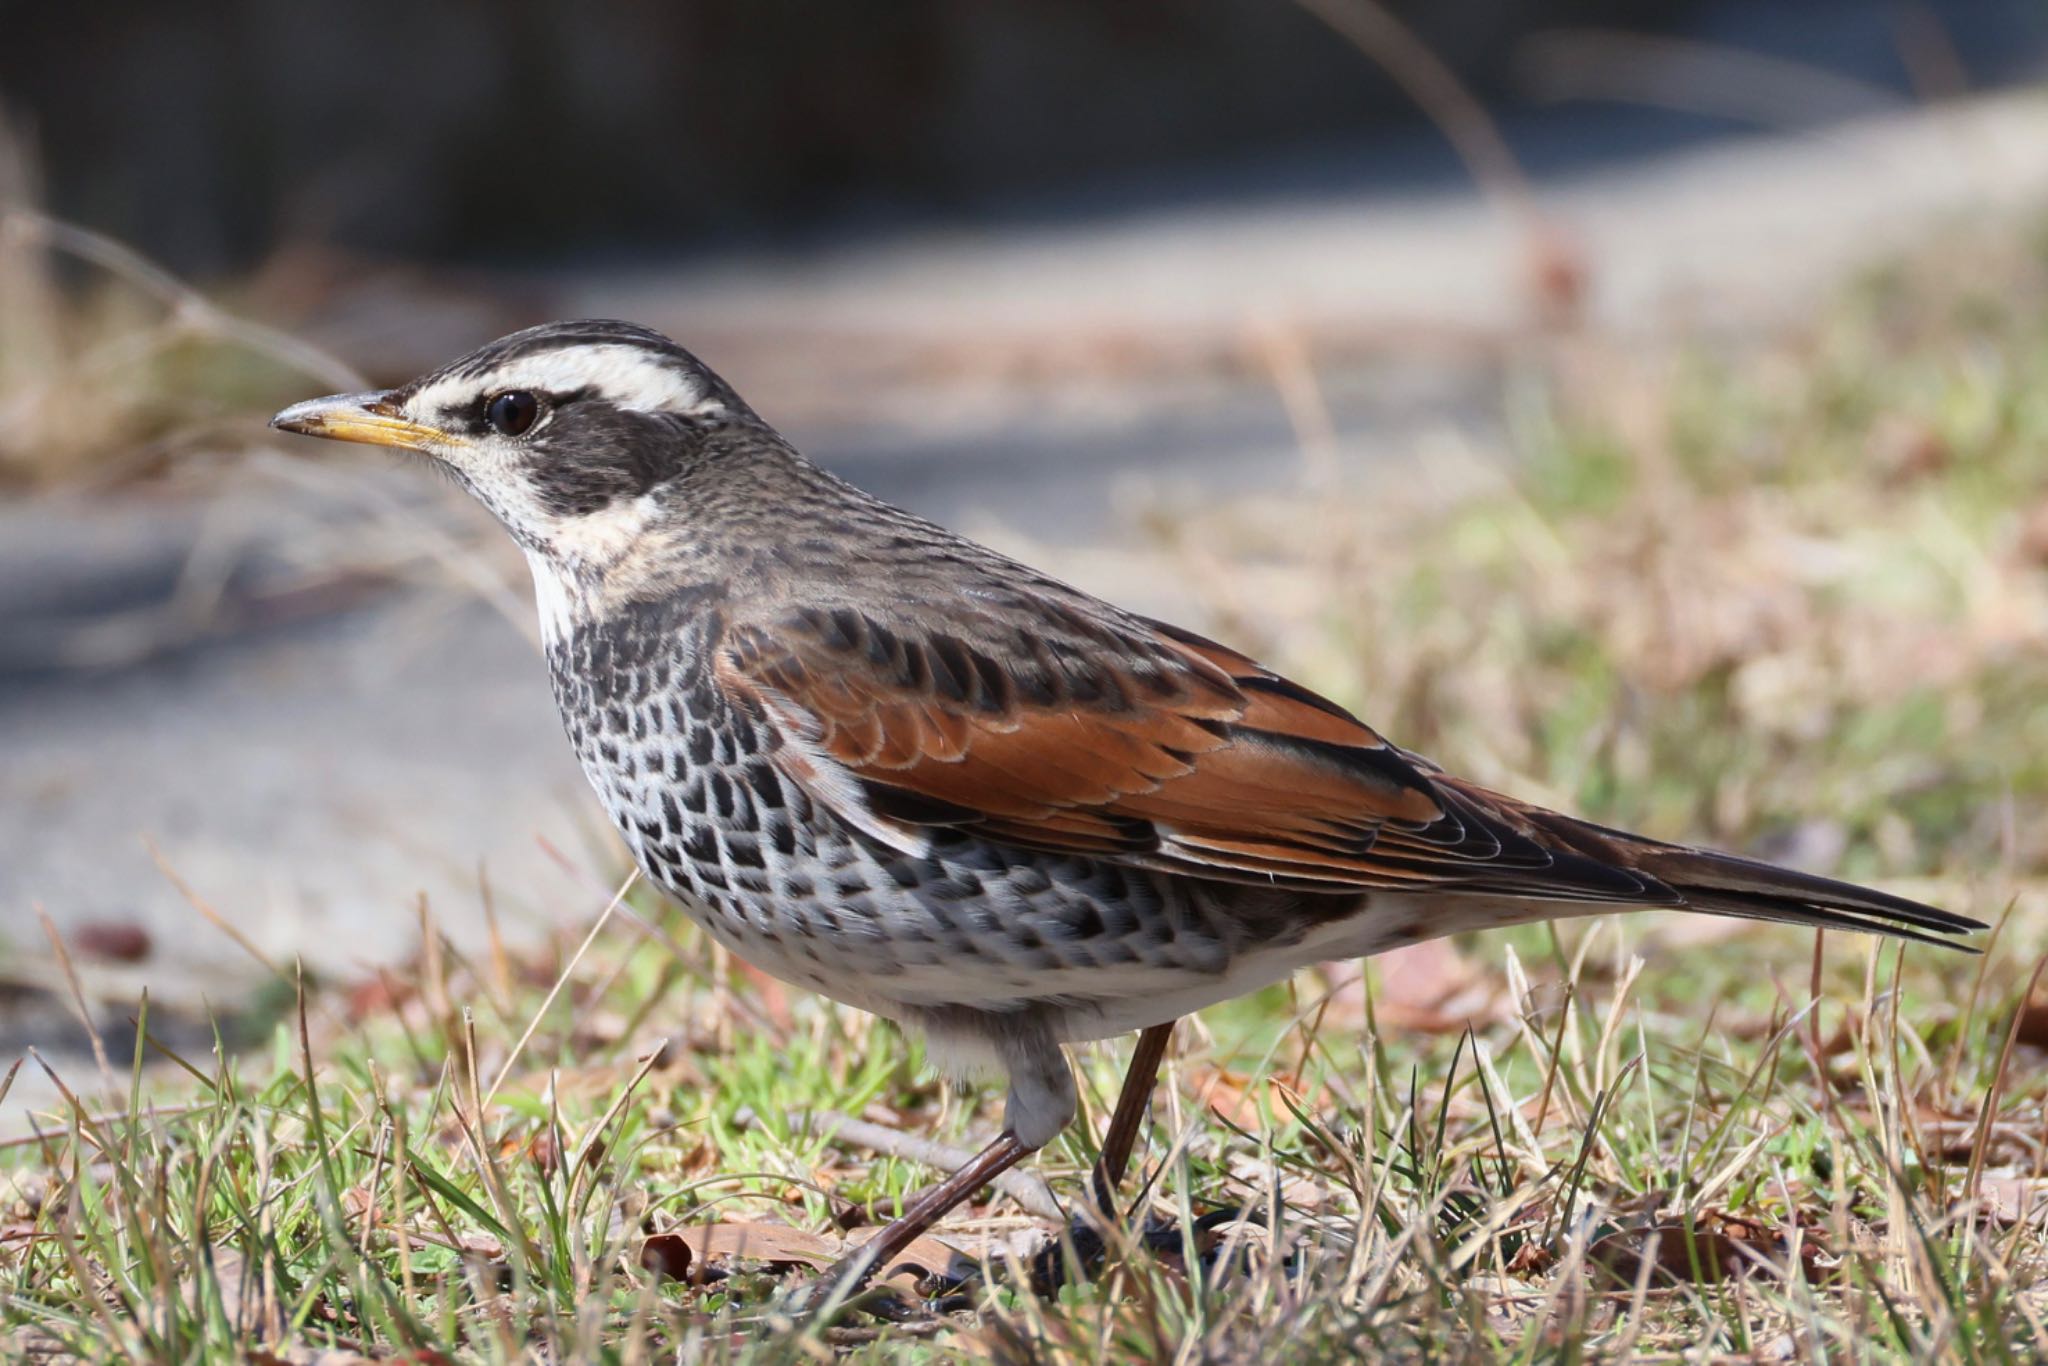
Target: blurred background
[1638,405]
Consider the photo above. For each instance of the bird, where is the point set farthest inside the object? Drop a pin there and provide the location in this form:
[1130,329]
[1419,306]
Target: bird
[878,760]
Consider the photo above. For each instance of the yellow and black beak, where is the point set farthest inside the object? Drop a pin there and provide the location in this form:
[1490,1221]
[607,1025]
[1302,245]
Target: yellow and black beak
[370,418]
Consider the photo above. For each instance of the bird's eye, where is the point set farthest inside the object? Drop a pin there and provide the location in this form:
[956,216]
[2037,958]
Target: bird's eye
[512,412]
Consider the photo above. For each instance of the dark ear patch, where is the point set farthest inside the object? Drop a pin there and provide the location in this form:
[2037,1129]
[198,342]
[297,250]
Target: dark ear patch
[591,454]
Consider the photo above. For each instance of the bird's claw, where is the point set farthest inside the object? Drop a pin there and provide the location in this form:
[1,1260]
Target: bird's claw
[827,1299]
[1083,1247]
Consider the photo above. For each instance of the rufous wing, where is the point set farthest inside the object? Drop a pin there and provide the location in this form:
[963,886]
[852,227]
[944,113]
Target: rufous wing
[1144,743]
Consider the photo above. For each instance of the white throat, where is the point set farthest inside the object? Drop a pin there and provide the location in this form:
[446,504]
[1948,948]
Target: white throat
[559,597]
[586,560]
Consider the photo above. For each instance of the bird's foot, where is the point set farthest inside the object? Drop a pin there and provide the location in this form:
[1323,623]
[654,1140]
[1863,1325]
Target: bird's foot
[1082,1250]
[899,1289]
[844,1292]
[1081,1253]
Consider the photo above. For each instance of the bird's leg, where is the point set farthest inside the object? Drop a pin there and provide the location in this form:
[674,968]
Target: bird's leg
[1131,1100]
[1091,1232]
[847,1278]
[1089,1236]
[1040,1103]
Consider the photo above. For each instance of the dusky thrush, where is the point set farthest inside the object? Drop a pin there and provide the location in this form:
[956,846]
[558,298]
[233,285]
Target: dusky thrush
[880,761]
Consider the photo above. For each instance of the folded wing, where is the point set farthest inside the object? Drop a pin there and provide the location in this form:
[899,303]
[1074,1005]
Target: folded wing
[1145,744]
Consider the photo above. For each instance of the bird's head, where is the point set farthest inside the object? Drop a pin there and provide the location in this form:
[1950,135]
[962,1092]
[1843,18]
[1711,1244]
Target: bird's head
[566,431]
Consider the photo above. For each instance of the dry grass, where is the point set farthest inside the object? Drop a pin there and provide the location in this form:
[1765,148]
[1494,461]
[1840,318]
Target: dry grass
[1784,599]
[108,363]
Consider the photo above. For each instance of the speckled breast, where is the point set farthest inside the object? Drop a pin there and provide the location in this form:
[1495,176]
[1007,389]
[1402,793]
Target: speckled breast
[692,784]
[689,781]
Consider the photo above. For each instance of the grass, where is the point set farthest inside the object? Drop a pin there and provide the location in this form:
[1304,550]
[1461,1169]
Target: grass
[1785,598]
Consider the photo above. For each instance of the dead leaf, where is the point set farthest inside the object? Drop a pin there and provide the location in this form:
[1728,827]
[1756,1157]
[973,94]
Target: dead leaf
[925,1259]
[667,1255]
[699,1158]
[1426,987]
[709,1244]
[2010,1200]
[692,1253]
[1422,975]
[1532,1258]
[545,1153]
[1951,1133]
[373,997]
[1233,1097]
[1226,1095]
[112,941]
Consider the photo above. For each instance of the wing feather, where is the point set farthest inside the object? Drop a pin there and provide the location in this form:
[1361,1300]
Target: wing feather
[1129,740]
